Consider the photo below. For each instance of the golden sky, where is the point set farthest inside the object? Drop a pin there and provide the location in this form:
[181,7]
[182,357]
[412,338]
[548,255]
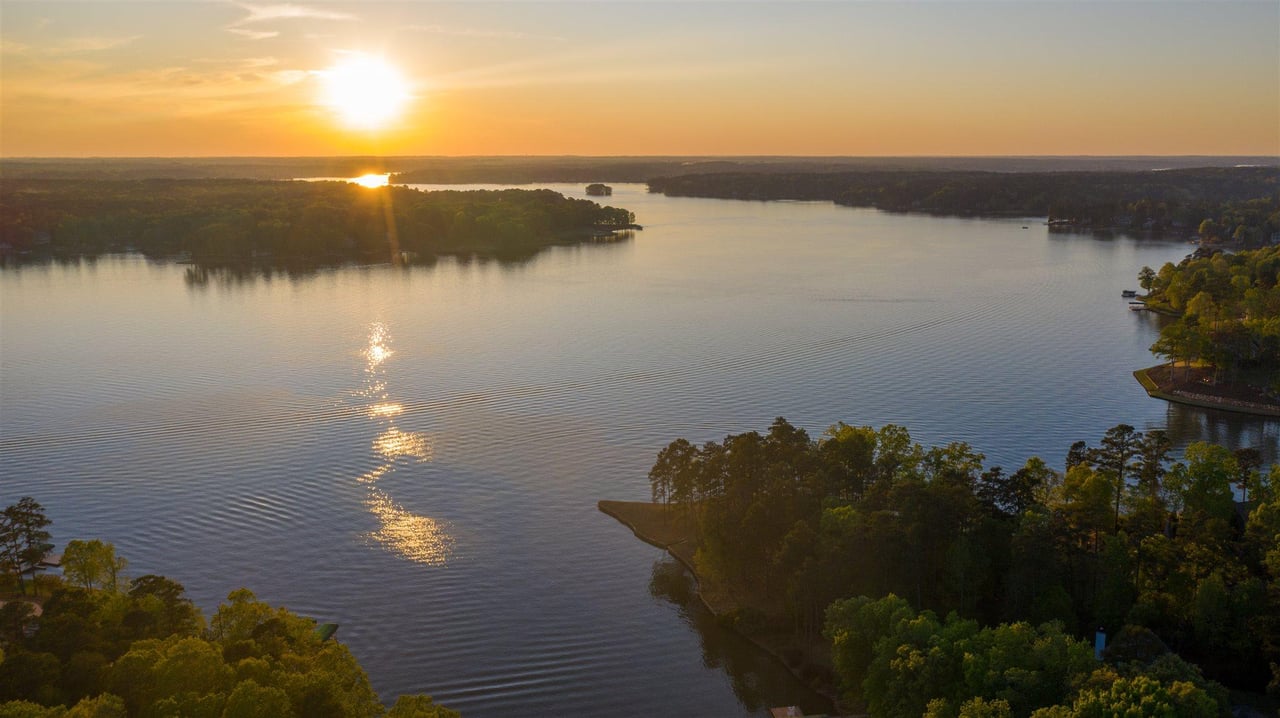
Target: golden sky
[191,78]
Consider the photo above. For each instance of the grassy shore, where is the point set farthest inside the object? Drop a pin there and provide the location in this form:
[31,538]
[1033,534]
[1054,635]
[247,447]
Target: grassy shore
[671,528]
[1194,386]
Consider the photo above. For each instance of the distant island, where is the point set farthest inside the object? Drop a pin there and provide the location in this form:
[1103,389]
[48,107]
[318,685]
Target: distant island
[599,190]
[914,581]
[219,223]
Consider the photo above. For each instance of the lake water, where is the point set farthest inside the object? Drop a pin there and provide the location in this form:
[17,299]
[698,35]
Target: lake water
[417,453]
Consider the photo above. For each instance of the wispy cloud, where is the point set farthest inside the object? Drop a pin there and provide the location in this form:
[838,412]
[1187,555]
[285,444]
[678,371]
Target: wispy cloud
[253,34]
[279,11]
[288,11]
[90,44]
[9,47]
[481,33]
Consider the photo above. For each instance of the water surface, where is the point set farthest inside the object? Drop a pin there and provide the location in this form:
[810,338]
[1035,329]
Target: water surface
[416,453]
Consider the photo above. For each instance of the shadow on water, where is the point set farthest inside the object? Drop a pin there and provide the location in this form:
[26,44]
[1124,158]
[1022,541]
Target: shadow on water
[759,680]
[1187,424]
[201,273]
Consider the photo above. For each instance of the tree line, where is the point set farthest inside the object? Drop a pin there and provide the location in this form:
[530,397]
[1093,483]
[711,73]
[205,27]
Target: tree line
[1121,537]
[236,222]
[1228,307]
[108,646]
[1243,202]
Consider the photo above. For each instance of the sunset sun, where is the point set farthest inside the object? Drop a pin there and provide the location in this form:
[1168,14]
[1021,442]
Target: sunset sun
[366,92]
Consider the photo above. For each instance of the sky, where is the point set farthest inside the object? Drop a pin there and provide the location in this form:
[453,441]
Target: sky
[943,78]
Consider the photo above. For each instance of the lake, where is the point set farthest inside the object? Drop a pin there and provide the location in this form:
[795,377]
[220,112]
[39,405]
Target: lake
[416,453]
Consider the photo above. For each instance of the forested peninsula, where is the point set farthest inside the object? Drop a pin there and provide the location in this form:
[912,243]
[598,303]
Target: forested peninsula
[217,223]
[918,581]
[1223,346]
[95,643]
[1243,201]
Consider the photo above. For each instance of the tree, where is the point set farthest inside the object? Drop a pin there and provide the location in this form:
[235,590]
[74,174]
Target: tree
[1014,494]
[23,540]
[1248,462]
[671,478]
[1119,445]
[93,565]
[161,604]
[1146,277]
[855,627]
[1078,454]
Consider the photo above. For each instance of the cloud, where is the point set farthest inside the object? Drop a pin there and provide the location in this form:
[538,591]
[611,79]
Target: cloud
[90,44]
[9,47]
[481,33]
[253,34]
[279,11]
[288,11]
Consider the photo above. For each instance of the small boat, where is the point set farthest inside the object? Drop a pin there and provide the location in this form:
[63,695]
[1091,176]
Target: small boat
[1129,293]
[1137,306]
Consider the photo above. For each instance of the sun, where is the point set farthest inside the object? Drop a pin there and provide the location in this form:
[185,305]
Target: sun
[365,91]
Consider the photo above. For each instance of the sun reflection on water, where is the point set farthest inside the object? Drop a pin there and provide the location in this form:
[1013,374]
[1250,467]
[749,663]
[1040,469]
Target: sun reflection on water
[418,538]
[389,408]
[371,181]
[393,443]
[378,351]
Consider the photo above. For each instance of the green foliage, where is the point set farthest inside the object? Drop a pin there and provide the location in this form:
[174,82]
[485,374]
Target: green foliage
[1138,697]
[250,700]
[854,627]
[1122,537]
[23,540]
[108,654]
[905,664]
[93,565]
[419,706]
[1229,306]
[102,706]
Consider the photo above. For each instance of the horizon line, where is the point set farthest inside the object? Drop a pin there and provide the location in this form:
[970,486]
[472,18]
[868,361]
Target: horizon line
[1275,158]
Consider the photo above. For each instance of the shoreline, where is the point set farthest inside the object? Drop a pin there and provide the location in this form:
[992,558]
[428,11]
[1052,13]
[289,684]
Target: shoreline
[642,518]
[1159,383]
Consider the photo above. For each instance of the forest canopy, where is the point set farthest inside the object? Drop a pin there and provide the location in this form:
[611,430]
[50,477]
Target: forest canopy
[1120,537]
[106,646]
[1227,307]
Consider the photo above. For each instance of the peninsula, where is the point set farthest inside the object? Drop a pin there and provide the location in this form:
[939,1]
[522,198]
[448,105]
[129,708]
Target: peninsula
[1223,343]
[840,556]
